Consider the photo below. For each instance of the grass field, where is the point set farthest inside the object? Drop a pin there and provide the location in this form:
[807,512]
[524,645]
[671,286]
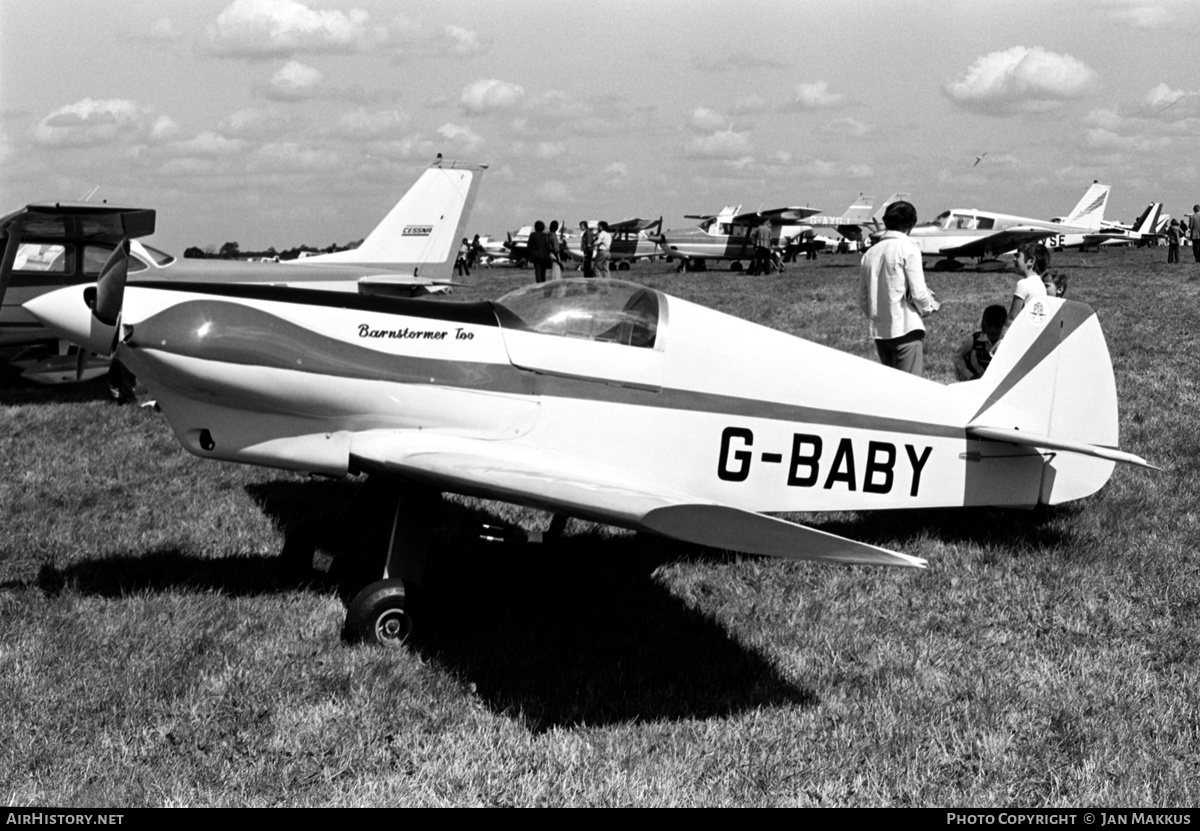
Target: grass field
[152,654]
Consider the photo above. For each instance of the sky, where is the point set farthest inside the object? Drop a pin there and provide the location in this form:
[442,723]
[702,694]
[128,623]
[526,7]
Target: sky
[282,122]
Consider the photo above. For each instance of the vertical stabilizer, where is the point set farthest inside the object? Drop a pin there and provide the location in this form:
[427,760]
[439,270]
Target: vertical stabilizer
[859,213]
[1052,377]
[422,233]
[1148,221]
[1089,211]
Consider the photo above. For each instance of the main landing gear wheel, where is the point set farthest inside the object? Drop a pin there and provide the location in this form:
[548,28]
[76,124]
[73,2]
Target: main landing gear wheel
[379,614]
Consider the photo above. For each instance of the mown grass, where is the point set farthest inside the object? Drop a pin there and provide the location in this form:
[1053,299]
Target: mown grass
[151,652]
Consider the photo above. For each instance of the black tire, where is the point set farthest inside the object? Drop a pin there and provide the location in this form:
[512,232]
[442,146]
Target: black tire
[379,614]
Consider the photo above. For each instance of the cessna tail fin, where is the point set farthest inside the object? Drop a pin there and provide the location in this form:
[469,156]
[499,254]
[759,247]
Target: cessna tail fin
[422,233]
[1050,386]
[1089,211]
[860,212]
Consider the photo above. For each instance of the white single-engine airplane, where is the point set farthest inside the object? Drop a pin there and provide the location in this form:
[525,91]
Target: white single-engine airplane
[632,240]
[412,251]
[986,235]
[598,399]
[1142,230]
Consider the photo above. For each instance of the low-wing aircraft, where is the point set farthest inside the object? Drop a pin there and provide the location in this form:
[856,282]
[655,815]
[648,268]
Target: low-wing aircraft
[728,235]
[598,399]
[986,235]
[632,240]
[46,246]
[1141,230]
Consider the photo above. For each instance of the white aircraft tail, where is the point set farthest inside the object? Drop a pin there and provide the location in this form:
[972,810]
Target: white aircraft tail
[877,217]
[1089,211]
[422,233]
[1147,223]
[1050,387]
[859,213]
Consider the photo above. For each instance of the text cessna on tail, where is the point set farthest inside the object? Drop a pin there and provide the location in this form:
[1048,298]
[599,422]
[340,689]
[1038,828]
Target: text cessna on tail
[46,246]
[603,400]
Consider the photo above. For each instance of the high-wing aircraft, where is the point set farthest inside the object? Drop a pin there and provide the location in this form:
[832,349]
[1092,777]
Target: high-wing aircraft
[959,233]
[597,399]
[632,240]
[728,235]
[46,246]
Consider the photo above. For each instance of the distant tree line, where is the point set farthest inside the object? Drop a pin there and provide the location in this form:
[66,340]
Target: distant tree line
[232,251]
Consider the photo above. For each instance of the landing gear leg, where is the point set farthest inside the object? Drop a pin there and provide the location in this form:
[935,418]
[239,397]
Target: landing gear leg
[381,612]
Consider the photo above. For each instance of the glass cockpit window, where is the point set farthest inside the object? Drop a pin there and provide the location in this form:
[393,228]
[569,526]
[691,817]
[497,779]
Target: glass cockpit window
[46,258]
[942,220]
[95,256]
[161,258]
[606,311]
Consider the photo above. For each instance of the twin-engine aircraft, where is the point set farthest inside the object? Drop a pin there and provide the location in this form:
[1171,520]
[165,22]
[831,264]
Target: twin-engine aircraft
[47,246]
[985,235]
[597,399]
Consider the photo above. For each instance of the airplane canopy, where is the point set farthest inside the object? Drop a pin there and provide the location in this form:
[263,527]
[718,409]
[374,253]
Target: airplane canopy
[611,311]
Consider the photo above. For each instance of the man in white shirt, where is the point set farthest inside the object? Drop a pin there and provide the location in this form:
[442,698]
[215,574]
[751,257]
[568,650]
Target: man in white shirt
[893,295]
[603,244]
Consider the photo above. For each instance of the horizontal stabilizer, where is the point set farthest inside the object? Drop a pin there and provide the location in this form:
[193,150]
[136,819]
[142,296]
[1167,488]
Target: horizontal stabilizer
[1026,439]
[720,526]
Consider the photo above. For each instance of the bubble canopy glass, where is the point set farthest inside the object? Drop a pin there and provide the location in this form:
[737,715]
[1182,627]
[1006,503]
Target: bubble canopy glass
[599,310]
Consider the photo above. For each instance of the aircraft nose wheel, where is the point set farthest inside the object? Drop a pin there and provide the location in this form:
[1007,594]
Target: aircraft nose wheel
[379,614]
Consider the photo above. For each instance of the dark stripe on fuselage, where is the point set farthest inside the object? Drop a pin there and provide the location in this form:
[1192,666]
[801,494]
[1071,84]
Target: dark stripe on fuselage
[478,313]
[233,333]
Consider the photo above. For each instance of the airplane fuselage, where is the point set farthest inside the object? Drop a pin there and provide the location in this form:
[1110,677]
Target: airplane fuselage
[295,384]
[957,228]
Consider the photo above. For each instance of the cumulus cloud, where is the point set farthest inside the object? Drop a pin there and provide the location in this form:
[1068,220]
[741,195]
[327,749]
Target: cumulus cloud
[255,122]
[554,191]
[92,122]
[1153,15]
[847,128]
[490,95]
[207,144]
[293,81]
[814,95]
[281,28]
[725,145]
[736,62]
[820,169]
[460,136]
[705,120]
[1020,79]
[411,38]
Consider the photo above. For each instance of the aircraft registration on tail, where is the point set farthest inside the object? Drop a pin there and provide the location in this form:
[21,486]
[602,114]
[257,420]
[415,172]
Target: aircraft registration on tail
[598,399]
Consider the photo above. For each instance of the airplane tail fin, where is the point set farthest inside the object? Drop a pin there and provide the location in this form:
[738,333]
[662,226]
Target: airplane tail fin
[422,233]
[1089,211]
[1147,223]
[859,213]
[877,217]
[1050,387]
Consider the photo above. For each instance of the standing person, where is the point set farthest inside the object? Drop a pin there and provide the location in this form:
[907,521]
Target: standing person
[556,250]
[892,292]
[603,244]
[1194,232]
[588,244]
[762,248]
[539,251]
[462,264]
[1174,236]
[476,251]
[1033,260]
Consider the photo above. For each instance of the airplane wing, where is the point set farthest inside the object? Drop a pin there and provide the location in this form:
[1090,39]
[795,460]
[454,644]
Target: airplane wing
[999,243]
[67,220]
[777,216]
[510,472]
[633,225]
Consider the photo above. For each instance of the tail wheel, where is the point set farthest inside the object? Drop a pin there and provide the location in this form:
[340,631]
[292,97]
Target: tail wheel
[379,614]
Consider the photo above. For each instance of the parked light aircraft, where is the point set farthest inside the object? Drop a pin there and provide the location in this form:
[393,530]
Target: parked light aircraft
[727,235]
[1143,229]
[411,251]
[632,240]
[958,233]
[597,399]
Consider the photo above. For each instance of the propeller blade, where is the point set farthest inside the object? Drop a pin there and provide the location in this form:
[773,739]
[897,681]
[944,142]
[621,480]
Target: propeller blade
[110,288]
[80,361]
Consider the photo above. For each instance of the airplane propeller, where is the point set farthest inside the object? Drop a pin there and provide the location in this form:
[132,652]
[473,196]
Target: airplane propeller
[110,295]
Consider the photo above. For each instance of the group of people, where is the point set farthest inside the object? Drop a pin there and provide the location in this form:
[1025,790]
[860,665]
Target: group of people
[547,249]
[468,256]
[1178,230]
[894,298]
